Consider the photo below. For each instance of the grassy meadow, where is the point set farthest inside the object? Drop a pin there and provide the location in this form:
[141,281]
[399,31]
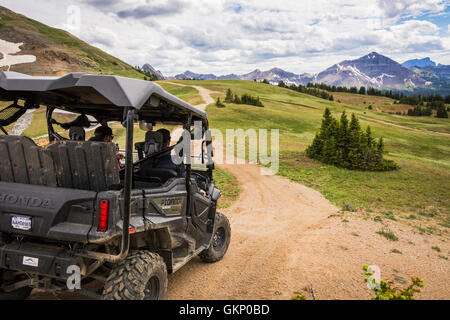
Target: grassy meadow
[421,185]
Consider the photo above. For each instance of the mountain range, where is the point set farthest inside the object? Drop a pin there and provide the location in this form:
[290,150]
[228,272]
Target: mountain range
[371,70]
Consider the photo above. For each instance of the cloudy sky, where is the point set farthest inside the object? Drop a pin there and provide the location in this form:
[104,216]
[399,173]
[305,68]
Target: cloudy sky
[218,36]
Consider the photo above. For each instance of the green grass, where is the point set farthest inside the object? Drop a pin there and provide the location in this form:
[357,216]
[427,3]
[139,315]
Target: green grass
[424,158]
[228,185]
[188,94]
[388,235]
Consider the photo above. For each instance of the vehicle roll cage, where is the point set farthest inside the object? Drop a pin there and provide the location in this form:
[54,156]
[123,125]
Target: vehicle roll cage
[140,100]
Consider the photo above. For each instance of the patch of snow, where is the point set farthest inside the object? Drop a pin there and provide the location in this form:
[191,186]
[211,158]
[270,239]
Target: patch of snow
[10,48]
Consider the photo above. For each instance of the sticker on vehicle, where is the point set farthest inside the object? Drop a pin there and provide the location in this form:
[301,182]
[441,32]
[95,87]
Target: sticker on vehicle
[30,261]
[21,223]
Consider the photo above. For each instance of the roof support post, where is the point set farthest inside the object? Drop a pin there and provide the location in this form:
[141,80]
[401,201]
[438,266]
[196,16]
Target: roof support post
[187,127]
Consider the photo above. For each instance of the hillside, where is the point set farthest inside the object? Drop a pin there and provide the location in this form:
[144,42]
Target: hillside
[423,156]
[57,52]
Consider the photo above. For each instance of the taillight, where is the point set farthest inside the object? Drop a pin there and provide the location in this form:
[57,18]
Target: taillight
[103,216]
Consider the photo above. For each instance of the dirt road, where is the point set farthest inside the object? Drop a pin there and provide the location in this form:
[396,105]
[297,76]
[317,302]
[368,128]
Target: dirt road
[268,221]
[403,127]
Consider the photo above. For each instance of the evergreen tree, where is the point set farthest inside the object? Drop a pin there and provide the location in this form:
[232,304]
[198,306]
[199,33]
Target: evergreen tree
[346,145]
[229,96]
[442,112]
[219,103]
[362,90]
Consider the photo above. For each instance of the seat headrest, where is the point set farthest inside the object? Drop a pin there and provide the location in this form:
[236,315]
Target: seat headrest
[153,142]
[77,134]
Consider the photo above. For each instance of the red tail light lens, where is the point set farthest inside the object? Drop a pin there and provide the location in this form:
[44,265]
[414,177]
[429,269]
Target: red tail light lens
[103,216]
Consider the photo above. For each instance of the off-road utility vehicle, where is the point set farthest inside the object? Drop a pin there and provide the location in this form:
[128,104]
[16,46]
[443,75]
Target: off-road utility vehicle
[69,206]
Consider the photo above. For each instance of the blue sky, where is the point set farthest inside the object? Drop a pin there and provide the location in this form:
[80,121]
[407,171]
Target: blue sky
[218,36]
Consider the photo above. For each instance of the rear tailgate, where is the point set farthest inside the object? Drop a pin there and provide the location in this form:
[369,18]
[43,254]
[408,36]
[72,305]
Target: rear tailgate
[46,212]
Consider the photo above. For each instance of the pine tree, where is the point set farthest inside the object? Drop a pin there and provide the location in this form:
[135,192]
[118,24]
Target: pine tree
[442,112]
[229,96]
[362,90]
[370,140]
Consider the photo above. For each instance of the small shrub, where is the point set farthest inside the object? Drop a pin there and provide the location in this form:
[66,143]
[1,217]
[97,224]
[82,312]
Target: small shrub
[298,297]
[378,219]
[411,216]
[426,214]
[388,235]
[396,251]
[436,249]
[442,257]
[219,103]
[389,215]
[348,207]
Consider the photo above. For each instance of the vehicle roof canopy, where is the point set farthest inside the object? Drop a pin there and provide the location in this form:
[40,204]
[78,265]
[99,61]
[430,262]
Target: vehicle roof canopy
[102,96]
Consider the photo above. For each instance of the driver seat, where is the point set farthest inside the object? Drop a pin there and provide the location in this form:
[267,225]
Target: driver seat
[153,143]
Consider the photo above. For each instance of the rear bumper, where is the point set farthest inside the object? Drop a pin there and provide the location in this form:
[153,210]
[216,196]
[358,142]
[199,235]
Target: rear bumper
[36,259]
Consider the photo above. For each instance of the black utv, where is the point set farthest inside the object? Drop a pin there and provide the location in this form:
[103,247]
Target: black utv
[71,214]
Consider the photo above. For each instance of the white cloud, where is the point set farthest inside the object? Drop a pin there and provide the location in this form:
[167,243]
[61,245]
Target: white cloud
[223,36]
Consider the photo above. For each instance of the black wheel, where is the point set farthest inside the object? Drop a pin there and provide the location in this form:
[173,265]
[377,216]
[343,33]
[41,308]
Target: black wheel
[141,276]
[7,278]
[220,240]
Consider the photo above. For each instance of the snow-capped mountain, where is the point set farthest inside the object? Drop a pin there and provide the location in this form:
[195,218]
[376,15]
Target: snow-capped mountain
[372,70]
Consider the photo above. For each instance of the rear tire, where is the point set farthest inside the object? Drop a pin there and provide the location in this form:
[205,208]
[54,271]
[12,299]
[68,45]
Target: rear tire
[141,276]
[219,242]
[19,294]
